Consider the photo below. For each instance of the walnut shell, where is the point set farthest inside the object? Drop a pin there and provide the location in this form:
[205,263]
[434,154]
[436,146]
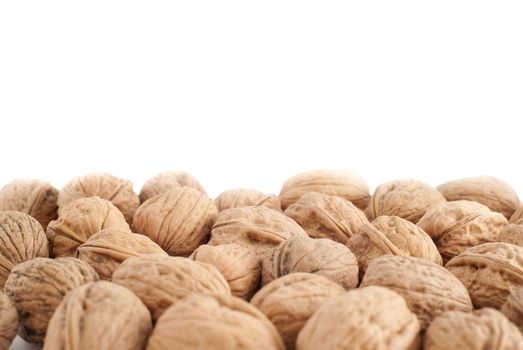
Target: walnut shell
[339,183]
[257,228]
[107,249]
[118,191]
[22,239]
[168,181]
[8,321]
[517,217]
[242,197]
[179,221]
[428,288]
[408,199]
[79,220]
[322,256]
[487,190]
[214,322]
[371,318]
[456,226]
[239,265]
[512,233]
[161,281]
[37,287]
[490,272]
[33,197]
[391,235]
[289,301]
[513,308]
[478,330]
[99,315]
[325,216]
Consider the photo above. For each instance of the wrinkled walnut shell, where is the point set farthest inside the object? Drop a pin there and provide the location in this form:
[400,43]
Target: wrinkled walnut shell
[242,197]
[8,321]
[167,181]
[512,233]
[517,217]
[513,308]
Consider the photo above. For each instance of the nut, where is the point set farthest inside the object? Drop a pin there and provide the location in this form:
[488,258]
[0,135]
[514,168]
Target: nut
[490,272]
[8,321]
[257,228]
[118,191]
[429,289]
[242,197]
[513,308]
[289,301]
[408,199]
[487,190]
[22,239]
[371,318]
[325,216]
[340,183]
[178,221]
[239,265]
[99,315]
[107,249]
[34,197]
[213,322]
[160,281]
[512,233]
[167,181]
[322,256]
[480,329]
[456,226]
[37,287]
[79,220]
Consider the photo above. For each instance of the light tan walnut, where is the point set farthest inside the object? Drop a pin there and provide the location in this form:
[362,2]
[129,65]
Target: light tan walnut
[371,318]
[179,221]
[167,181]
[160,281]
[322,256]
[512,233]
[289,301]
[513,308]
[243,197]
[99,315]
[325,216]
[214,322]
[8,321]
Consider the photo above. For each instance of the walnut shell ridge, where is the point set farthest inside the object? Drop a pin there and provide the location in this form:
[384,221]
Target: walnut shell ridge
[512,233]
[513,308]
[8,321]
[243,197]
[167,181]
[517,217]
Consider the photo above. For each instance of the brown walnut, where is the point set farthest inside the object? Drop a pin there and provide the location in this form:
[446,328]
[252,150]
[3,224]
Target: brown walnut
[167,181]
[513,308]
[243,197]
[8,321]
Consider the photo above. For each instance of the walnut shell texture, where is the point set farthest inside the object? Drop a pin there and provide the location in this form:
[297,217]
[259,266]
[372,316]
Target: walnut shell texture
[370,318]
[429,289]
[517,217]
[33,197]
[160,281]
[238,264]
[167,181]
[289,301]
[512,233]
[38,286]
[243,197]
[490,272]
[214,322]
[79,220]
[107,249]
[325,216]
[8,321]
[513,308]
[99,315]
[179,221]
[322,256]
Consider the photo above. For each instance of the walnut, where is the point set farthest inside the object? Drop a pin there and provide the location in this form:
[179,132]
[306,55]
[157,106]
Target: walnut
[37,287]
[490,272]
[107,249]
[512,233]
[291,300]
[238,264]
[34,197]
[22,239]
[99,315]
[167,181]
[517,217]
[118,191]
[161,281]
[325,216]
[487,190]
[371,318]
[214,322]
[242,197]
[391,235]
[322,256]
[340,183]
[8,321]
[513,308]
[456,226]
[79,220]
[481,329]
[178,221]
[429,289]
[257,228]
[408,199]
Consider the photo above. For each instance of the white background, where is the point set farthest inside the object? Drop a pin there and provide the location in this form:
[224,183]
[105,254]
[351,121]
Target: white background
[246,94]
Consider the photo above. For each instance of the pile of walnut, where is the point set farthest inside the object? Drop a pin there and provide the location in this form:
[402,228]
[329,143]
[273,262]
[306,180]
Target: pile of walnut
[323,265]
